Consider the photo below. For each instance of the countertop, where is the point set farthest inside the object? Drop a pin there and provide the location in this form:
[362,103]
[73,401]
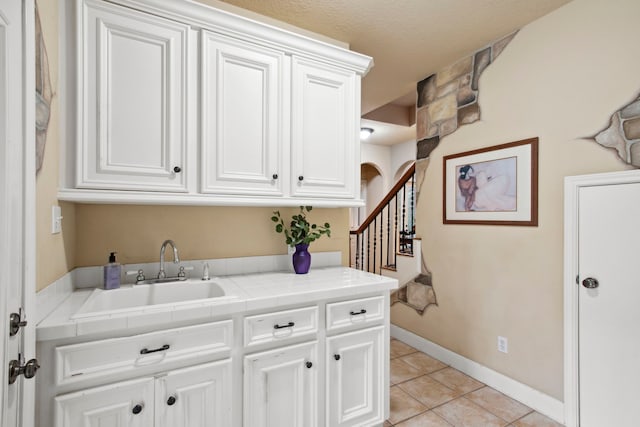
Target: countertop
[243,293]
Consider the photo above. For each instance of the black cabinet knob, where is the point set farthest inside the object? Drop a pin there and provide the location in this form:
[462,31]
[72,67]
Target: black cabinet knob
[177,169]
[274,176]
[300,178]
[171,400]
[137,409]
[336,356]
[309,365]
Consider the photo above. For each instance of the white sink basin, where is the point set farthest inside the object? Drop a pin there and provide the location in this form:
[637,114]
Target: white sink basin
[138,297]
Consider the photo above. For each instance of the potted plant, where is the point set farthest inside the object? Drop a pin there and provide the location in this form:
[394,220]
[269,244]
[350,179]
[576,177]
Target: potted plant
[299,234]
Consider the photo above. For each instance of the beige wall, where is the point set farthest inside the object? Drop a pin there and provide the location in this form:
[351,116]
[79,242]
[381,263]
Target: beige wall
[560,79]
[136,232]
[54,252]
[90,232]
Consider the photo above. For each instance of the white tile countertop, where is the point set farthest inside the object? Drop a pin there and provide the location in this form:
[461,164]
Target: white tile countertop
[243,293]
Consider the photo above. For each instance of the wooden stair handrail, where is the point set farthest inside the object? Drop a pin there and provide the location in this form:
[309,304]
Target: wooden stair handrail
[392,193]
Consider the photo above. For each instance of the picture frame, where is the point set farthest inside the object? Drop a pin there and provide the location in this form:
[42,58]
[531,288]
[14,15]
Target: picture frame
[495,185]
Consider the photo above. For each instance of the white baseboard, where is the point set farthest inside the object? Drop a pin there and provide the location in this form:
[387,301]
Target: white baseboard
[534,399]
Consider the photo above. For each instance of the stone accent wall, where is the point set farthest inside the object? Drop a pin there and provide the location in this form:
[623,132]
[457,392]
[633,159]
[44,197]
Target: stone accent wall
[446,101]
[449,98]
[44,93]
[623,134]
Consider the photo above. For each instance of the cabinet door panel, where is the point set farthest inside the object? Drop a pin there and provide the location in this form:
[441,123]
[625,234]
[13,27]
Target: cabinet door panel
[355,378]
[279,388]
[199,396]
[108,406]
[134,99]
[241,117]
[324,123]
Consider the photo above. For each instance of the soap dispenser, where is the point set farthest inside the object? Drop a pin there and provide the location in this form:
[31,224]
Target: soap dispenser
[112,273]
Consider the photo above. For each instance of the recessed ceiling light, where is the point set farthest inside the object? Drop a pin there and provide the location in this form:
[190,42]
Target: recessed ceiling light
[365,133]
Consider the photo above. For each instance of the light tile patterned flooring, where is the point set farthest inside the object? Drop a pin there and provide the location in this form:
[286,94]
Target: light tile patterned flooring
[427,393]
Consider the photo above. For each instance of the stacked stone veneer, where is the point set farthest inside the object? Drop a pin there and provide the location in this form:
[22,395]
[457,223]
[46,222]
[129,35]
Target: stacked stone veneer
[449,98]
[446,101]
[44,93]
[624,133]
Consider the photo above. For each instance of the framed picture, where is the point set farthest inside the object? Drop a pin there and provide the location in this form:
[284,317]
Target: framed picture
[495,185]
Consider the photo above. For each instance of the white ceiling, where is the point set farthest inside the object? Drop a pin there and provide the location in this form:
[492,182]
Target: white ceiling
[408,39]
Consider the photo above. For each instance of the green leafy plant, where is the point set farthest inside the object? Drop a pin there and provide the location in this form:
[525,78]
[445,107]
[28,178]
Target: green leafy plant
[300,230]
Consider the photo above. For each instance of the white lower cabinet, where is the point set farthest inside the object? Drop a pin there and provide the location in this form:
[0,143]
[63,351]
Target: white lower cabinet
[334,381]
[195,397]
[280,387]
[317,364]
[124,404]
[355,378]
[198,396]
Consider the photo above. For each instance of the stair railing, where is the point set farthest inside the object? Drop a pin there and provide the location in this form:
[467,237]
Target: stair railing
[388,230]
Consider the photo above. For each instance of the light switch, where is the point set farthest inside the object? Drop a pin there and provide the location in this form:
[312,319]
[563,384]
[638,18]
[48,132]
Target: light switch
[56,219]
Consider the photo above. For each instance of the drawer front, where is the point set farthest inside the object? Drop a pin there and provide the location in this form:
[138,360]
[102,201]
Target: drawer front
[79,362]
[363,312]
[280,326]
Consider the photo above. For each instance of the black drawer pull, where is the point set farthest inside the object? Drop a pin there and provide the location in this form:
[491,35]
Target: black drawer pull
[288,325]
[309,365]
[137,409]
[147,351]
[336,356]
[171,400]
[355,313]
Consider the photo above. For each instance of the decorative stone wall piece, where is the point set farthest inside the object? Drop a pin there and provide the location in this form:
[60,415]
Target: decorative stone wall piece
[417,293]
[44,94]
[481,61]
[623,134]
[449,98]
[426,146]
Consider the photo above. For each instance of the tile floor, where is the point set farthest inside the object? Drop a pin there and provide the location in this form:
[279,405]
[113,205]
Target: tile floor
[427,393]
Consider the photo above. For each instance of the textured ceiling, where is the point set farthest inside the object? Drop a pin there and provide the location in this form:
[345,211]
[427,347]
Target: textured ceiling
[408,39]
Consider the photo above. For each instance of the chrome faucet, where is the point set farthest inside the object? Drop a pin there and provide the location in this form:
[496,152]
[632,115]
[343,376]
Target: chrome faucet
[176,259]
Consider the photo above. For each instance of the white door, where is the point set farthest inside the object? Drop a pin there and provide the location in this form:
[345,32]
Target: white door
[609,311]
[324,123]
[198,396]
[355,372]
[242,117]
[17,204]
[134,98]
[280,387]
[123,404]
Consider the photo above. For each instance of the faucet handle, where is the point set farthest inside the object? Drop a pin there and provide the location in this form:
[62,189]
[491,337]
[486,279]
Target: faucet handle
[140,275]
[183,269]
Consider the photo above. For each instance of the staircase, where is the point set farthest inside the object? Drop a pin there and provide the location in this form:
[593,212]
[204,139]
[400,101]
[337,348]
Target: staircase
[388,232]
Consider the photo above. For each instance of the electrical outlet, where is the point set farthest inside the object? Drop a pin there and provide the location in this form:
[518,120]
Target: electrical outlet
[56,219]
[503,344]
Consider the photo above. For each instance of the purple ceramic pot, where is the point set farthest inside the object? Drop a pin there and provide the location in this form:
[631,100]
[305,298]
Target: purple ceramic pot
[301,259]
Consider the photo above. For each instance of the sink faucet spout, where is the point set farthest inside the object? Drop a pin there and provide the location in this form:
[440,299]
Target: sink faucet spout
[176,258]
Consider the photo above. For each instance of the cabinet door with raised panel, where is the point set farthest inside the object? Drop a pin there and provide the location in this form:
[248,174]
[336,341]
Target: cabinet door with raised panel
[355,378]
[198,396]
[124,404]
[133,100]
[280,387]
[242,117]
[324,130]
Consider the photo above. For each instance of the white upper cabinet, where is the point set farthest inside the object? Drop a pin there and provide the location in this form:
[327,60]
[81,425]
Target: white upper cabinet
[133,134]
[179,103]
[242,117]
[325,128]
